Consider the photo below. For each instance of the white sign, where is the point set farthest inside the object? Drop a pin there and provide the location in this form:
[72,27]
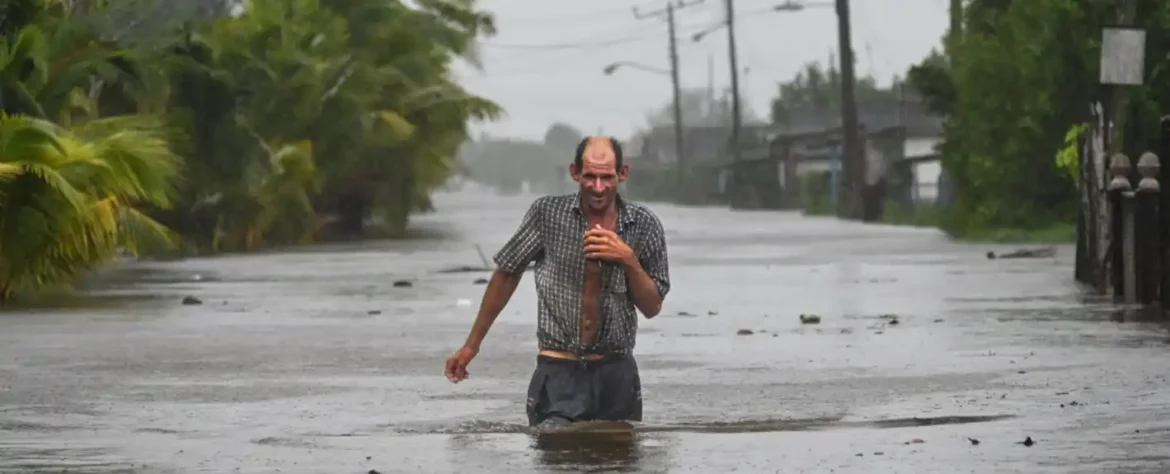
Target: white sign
[1123,55]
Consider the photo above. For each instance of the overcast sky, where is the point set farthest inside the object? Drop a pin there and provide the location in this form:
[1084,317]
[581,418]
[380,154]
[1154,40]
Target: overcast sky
[545,65]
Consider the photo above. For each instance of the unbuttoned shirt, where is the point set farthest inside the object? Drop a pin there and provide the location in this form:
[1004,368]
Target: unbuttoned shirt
[552,235]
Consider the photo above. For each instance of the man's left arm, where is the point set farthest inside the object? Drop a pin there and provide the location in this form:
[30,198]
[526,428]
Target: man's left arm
[648,273]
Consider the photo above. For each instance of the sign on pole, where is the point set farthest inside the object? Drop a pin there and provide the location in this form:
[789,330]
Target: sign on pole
[1123,55]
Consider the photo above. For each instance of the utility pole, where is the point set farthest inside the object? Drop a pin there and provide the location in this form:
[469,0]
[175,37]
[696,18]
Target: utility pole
[1126,15]
[711,86]
[850,204]
[733,60]
[681,153]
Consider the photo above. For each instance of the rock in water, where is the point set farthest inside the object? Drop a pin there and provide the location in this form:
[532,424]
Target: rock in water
[191,301]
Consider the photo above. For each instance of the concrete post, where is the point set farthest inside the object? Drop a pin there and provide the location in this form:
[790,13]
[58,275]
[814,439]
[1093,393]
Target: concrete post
[1148,231]
[1120,191]
[1149,166]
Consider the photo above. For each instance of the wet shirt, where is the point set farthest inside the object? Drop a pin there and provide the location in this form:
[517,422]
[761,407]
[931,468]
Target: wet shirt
[551,235]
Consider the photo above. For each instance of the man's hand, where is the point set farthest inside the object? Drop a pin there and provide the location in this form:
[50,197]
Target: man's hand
[602,244]
[457,363]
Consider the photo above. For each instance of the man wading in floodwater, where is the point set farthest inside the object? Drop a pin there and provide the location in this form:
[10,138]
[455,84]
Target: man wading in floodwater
[597,258]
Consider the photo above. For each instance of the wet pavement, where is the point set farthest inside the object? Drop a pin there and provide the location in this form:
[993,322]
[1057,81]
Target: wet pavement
[315,361]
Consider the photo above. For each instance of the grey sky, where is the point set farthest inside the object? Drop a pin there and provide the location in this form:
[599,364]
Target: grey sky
[539,82]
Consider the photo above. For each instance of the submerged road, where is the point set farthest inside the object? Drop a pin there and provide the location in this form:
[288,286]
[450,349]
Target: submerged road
[314,361]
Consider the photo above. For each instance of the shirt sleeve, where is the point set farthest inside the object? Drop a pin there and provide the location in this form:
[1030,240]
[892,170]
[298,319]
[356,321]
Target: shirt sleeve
[526,244]
[653,256]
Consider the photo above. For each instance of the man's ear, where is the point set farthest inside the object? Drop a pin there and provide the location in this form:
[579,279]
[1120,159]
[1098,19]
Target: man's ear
[573,171]
[623,173]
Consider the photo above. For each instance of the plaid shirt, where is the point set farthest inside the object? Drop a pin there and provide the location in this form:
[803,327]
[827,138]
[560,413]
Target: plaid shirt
[551,234]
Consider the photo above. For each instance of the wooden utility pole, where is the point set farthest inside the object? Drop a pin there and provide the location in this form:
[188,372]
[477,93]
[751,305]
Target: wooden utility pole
[733,60]
[852,182]
[1119,103]
[681,153]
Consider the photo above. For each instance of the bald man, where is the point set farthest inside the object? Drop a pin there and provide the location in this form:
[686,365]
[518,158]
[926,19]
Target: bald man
[597,258]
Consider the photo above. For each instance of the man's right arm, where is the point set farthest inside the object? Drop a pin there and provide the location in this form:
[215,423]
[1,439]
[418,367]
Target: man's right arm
[495,298]
[511,262]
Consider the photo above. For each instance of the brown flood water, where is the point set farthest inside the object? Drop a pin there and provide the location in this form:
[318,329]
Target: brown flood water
[313,361]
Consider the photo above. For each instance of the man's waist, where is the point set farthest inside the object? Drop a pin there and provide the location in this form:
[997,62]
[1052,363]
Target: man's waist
[549,356]
[574,356]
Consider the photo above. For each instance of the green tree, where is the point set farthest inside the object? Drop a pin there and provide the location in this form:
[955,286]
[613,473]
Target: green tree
[1012,90]
[817,88]
[67,199]
[287,115]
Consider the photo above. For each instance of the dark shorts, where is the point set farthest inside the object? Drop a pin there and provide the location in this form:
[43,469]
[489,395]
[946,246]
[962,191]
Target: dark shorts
[564,391]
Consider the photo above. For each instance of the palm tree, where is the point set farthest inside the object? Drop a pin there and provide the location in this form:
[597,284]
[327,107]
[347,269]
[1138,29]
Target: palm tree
[67,198]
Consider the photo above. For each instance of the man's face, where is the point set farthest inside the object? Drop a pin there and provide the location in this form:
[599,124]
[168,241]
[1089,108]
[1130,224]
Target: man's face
[599,175]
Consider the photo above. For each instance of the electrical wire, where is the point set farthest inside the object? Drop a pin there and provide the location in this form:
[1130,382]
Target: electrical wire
[628,39]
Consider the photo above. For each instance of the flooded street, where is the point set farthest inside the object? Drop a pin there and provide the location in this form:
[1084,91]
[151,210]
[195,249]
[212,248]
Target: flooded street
[314,361]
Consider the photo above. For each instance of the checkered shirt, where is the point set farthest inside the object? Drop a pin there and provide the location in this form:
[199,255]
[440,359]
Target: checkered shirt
[552,235]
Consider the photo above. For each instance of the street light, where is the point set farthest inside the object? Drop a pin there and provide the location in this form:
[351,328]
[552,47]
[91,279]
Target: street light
[609,70]
[791,6]
[788,6]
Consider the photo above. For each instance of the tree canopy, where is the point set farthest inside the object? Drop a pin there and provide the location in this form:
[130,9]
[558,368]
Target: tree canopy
[276,124]
[1022,77]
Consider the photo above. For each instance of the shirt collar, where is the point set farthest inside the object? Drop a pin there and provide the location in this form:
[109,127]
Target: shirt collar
[623,210]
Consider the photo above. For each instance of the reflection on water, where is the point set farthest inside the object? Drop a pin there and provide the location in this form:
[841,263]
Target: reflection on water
[585,451]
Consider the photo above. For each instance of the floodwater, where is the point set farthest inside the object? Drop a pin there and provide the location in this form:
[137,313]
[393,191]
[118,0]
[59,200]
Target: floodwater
[314,361]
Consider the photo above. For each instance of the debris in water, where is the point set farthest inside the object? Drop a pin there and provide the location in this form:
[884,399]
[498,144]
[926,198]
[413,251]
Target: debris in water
[403,284]
[744,332]
[809,319]
[465,269]
[480,281]
[1045,252]
[974,442]
[374,312]
[712,313]
[916,441]
[1028,442]
[191,301]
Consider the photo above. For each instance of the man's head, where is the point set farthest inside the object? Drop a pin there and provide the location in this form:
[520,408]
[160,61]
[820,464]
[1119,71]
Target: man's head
[598,168]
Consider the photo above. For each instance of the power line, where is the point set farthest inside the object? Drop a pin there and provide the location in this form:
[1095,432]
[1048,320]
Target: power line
[588,44]
[545,20]
[574,45]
